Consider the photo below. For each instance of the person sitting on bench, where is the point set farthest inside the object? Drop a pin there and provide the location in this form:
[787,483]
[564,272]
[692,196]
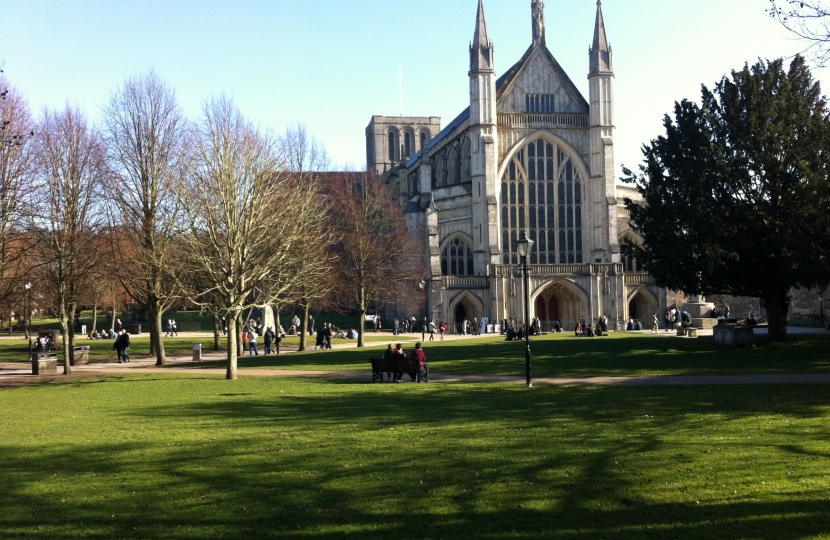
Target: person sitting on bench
[397,354]
[389,354]
[419,356]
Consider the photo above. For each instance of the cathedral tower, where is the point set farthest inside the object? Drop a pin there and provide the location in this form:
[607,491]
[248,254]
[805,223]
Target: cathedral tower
[484,145]
[601,78]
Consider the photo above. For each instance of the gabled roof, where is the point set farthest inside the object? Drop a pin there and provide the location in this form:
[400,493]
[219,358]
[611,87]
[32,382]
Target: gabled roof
[505,82]
[502,85]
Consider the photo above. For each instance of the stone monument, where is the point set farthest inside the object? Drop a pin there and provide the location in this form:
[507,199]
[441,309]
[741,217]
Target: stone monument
[268,318]
[701,312]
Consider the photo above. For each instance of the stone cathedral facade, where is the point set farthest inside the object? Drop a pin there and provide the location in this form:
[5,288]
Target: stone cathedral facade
[532,155]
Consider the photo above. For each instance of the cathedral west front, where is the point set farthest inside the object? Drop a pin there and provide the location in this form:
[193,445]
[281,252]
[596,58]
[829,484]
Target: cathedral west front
[529,155]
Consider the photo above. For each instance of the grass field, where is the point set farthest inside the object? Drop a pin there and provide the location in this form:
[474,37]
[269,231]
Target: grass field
[565,356]
[167,456]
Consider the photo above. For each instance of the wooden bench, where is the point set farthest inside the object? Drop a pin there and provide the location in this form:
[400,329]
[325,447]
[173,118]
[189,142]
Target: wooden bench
[403,365]
[687,331]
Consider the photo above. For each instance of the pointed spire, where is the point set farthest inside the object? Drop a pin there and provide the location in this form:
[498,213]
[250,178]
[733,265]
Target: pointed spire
[481,39]
[601,55]
[481,50]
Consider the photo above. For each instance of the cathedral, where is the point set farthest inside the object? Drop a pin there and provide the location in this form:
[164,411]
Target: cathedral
[529,155]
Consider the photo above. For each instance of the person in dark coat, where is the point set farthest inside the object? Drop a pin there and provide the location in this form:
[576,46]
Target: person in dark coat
[122,347]
[268,340]
[420,357]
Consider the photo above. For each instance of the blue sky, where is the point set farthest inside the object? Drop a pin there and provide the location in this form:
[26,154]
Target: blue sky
[333,64]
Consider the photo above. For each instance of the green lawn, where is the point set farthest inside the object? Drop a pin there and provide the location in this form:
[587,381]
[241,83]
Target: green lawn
[566,356]
[164,456]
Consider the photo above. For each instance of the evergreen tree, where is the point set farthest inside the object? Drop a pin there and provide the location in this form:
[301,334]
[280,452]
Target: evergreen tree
[736,194]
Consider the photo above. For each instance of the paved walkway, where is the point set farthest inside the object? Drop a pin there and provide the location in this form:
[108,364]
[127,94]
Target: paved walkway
[187,367]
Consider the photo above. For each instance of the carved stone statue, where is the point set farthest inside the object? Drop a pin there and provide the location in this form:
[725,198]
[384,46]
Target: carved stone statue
[538,21]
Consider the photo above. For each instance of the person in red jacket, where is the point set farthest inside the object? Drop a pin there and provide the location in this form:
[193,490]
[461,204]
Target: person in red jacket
[419,356]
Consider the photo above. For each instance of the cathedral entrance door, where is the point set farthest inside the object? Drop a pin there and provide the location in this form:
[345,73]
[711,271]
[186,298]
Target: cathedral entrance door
[460,315]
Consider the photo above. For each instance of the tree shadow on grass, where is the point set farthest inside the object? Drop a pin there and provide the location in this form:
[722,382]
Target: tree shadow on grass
[517,482]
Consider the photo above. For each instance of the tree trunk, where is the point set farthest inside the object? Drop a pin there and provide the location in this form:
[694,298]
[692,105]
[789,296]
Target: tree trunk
[216,333]
[67,368]
[94,316]
[777,304]
[304,328]
[361,315]
[233,344]
[156,340]
[238,333]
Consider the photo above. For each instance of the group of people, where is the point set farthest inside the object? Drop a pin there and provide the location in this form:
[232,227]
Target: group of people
[431,327]
[672,318]
[271,339]
[172,329]
[417,355]
[408,325]
[45,344]
[103,334]
[597,329]
[324,335]
[122,346]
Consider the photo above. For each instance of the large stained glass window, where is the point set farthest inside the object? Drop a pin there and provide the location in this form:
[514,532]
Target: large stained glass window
[542,193]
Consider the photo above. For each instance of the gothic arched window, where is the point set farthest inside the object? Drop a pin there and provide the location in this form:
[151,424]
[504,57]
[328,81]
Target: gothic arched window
[408,140]
[545,194]
[466,156]
[457,259]
[629,260]
[392,146]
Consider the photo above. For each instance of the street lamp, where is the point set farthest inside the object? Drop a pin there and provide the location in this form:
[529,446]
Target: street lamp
[525,245]
[28,286]
[421,286]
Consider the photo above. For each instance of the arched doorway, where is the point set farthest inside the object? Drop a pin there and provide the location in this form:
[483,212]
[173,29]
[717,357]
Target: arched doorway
[465,307]
[641,306]
[563,302]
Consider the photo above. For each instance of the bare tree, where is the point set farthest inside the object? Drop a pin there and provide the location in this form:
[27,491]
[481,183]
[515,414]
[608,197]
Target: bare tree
[305,158]
[16,161]
[376,251]
[809,20]
[246,217]
[144,135]
[66,213]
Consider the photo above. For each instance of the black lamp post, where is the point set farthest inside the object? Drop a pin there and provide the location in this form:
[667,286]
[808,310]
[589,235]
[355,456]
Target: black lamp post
[421,286]
[525,245]
[29,318]
[821,306]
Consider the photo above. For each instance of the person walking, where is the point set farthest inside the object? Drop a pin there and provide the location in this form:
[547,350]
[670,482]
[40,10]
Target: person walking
[327,335]
[311,325]
[122,347]
[431,330]
[654,323]
[268,340]
[169,332]
[464,325]
[442,327]
[252,350]
[667,319]
[175,329]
